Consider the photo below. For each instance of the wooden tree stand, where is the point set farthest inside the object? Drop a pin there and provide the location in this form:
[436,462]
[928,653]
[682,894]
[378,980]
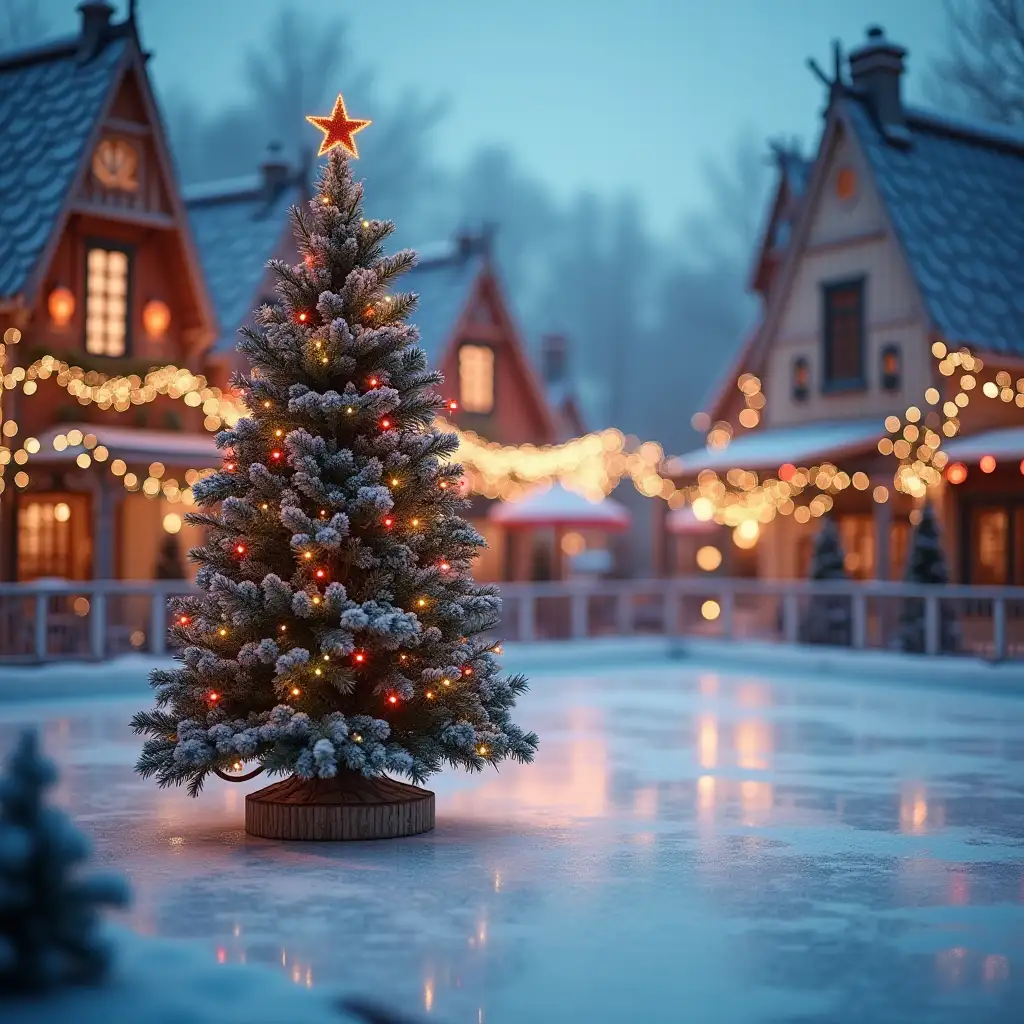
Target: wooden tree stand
[349,806]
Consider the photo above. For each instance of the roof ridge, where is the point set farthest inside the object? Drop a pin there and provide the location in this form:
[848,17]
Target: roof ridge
[983,132]
[52,49]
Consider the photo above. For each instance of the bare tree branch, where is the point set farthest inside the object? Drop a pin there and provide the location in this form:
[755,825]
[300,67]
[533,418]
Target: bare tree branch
[983,71]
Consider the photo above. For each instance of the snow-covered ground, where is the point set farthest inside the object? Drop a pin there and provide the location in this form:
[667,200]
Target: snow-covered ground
[691,845]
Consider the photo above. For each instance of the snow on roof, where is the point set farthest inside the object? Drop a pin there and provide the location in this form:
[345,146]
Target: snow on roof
[557,506]
[1007,443]
[955,195]
[193,451]
[769,449]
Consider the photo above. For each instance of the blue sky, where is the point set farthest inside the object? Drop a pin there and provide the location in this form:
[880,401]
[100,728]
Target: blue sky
[599,94]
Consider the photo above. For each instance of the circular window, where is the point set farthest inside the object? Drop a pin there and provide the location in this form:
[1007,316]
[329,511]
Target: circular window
[846,184]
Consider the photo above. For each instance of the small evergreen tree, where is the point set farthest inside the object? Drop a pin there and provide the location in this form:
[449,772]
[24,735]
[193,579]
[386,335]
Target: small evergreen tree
[829,617]
[49,934]
[338,628]
[926,563]
[169,565]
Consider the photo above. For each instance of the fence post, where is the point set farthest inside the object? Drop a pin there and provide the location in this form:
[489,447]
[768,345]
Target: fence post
[41,611]
[999,628]
[98,625]
[860,620]
[525,613]
[579,615]
[624,612]
[931,625]
[790,618]
[727,609]
[158,622]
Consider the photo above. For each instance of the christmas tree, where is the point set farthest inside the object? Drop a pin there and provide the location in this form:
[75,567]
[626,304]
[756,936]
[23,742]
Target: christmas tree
[829,619]
[926,564]
[49,920]
[338,631]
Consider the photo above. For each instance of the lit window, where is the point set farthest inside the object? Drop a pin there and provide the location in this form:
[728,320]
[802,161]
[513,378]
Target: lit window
[891,371]
[844,335]
[106,305]
[476,378]
[801,379]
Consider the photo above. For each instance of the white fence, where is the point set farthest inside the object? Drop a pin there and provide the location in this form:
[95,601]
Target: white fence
[54,620]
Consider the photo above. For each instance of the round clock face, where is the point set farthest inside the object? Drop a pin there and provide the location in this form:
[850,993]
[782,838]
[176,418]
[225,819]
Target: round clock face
[115,164]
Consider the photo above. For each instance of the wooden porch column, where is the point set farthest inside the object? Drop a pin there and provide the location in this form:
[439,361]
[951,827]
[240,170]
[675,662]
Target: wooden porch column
[883,526]
[104,520]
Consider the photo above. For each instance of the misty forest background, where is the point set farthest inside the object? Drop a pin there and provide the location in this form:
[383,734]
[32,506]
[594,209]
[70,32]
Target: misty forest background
[652,321]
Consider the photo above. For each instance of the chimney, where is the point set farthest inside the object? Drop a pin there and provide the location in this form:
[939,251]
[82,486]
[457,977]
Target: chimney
[274,171]
[554,358]
[96,27]
[876,69]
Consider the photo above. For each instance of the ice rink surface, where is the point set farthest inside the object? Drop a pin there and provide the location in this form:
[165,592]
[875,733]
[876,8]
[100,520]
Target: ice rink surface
[689,846]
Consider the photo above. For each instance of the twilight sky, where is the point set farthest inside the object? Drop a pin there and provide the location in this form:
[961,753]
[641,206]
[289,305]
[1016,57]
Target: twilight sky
[601,94]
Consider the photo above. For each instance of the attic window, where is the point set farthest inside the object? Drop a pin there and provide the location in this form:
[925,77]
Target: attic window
[846,184]
[843,335]
[106,302]
[476,378]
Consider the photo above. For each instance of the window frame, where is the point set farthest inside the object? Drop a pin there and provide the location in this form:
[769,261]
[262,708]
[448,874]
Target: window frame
[829,383]
[108,245]
[494,378]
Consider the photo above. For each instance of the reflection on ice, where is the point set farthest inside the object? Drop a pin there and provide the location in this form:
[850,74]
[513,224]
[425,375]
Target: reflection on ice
[691,839]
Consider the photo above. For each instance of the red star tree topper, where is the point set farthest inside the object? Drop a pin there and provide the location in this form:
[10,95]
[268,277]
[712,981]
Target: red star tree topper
[339,129]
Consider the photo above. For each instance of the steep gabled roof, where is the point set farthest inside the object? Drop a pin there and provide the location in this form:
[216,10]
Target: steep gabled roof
[444,280]
[50,103]
[239,225]
[955,196]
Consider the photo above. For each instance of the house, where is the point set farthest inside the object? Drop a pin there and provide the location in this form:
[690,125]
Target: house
[120,303]
[239,226]
[888,362]
[468,332]
[100,283]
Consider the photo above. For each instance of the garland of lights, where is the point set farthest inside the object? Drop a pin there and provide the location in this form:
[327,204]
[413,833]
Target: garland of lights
[592,465]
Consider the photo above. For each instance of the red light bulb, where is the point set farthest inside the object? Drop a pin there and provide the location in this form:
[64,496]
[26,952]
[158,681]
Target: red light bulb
[319,574]
[392,699]
[373,382]
[453,405]
[183,620]
[445,566]
[385,424]
[388,521]
[467,671]
[303,317]
[359,657]
[275,454]
[230,466]
[240,548]
[213,696]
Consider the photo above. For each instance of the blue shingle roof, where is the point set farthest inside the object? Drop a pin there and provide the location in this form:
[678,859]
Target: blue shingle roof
[955,196]
[237,232]
[444,286]
[49,105]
